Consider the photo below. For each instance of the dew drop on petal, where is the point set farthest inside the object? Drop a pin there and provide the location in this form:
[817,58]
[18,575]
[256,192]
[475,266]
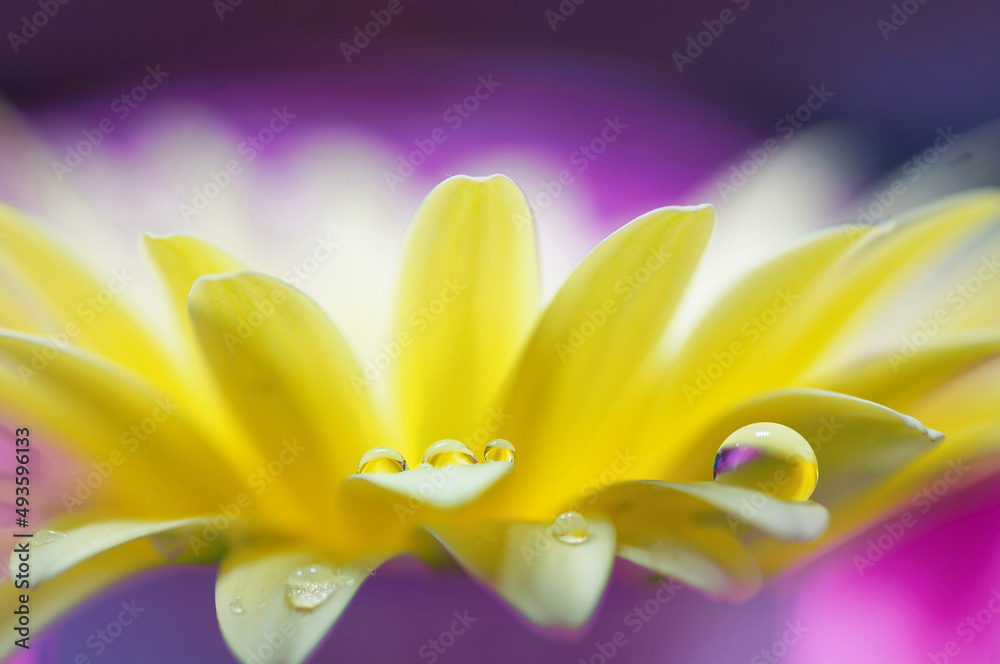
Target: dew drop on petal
[570,528]
[308,587]
[382,460]
[46,536]
[769,457]
[499,450]
[236,605]
[449,453]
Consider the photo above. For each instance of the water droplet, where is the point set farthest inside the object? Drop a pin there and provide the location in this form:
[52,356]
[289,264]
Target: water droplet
[236,605]
[46,536]
[382,460]
[449,453]
[308,587]
[769,457]
[570,528]
[499,450]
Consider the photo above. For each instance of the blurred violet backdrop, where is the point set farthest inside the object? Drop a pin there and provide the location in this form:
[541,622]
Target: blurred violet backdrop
[606,62]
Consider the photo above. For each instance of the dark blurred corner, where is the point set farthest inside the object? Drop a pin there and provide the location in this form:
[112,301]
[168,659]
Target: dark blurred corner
[899,70]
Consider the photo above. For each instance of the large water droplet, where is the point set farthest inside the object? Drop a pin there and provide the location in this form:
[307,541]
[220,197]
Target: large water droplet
[308,587]
[236,605]
[46,536]
[449,453]
[570,528]
[382,460]
[499,450]
[768,457]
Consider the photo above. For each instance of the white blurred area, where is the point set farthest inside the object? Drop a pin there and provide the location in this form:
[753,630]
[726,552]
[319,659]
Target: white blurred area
[313,188]
[307,191]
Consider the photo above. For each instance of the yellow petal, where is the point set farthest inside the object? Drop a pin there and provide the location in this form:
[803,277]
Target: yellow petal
[712,561]
[569,389]
[289,376]
[50,559]
[139,440]
[898,377]
[180,260]
[75,306]
[256,618]
[551,583]
[469,296]
[446,488]
[79,584]
[859,445]
[789,317]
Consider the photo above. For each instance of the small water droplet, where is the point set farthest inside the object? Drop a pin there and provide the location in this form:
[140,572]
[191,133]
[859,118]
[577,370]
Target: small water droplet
[449,453]
[236,605]
[382,460]
[570,528]
[308,587]
[46,536]
[768,457]
[499,450]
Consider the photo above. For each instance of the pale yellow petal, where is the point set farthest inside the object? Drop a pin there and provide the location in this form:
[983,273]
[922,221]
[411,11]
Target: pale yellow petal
[800,312]
[569,392]
[63,593]
[50,559]
[468,298]
[78,308]
[290,377]
[256,618]
[550,583]
[135,437]
[903,374]
[445,488]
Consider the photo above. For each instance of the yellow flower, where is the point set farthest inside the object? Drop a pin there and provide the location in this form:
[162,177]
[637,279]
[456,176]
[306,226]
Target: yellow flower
[244,445]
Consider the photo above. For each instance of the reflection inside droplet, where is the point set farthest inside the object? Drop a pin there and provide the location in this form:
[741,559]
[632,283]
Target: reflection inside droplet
[769,457]
[449,453]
